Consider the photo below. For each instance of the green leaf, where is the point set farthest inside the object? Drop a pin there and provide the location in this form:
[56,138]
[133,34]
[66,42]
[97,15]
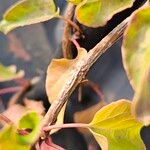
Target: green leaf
[95,13]
[29,121]
[136,47]
[141,100]
[136,59]
[8,140]
[26,12]
[116,129]
[9,73]
[75,2]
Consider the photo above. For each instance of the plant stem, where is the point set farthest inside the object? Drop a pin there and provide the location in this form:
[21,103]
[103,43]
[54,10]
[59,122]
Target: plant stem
[5,119]
[81,70]
[66,43]
[10,90]
[68,125]
[96,88]
[19,94]
[74,25]
[75,43]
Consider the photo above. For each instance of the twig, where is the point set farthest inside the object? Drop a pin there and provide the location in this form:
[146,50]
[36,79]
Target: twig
[81,71]
[67,125]
[5,119]
[74,41]
[10,90]
[19,94]
[80,91]
[70,22]
[96,88]
[67,32]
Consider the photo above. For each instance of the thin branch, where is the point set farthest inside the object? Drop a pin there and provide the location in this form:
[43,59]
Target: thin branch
[80,91]
[67,32]
[96,88]
[74,41]
[73,24]
[67,125]
[81,71]
[5,119]
[16,97]
[10,90]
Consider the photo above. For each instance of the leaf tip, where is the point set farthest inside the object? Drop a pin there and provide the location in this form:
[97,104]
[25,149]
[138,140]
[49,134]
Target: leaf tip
[3,27]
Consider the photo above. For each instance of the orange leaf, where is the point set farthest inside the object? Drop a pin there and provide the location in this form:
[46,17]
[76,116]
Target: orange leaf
[60,74]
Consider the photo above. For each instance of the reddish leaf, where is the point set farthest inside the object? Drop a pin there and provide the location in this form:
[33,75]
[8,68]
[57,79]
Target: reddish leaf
[35,106]
[15,112]
[49,145]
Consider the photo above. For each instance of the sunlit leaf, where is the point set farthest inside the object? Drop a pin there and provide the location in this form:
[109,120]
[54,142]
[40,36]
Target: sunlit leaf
[8,140]
[9,73]
[136,59]
[136,47]
[115,128]
[30,121]
[75,2]
[26,12]
[95,13]
[141,100]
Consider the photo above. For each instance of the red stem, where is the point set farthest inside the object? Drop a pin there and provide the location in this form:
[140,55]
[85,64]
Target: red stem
[73,24]
[68,125]
[10,90]
[5,119]
[74,41]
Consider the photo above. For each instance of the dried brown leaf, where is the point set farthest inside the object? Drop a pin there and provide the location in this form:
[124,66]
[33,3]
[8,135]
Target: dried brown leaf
[60,73]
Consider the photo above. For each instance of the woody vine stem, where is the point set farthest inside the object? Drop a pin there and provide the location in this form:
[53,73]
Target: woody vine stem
[87,62]
[81,70]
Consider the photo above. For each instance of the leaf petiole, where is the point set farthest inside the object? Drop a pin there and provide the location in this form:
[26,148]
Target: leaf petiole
[68,125]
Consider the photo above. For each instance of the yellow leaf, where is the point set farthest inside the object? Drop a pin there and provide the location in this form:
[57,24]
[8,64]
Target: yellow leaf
[8,140]
[141,100]
[9,73]
[26,12]
[136,46]
[95,13]
[115,128]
